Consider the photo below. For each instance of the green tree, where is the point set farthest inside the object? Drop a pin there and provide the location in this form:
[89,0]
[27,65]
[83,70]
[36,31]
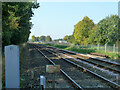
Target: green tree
[33,38]
[42,38]
[37,38]
[82,29]
[48,39]
[69,38]
[66,38]
[107,32]
[16,23]
[92,35]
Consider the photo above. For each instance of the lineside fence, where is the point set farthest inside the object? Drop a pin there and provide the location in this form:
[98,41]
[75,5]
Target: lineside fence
[107,48]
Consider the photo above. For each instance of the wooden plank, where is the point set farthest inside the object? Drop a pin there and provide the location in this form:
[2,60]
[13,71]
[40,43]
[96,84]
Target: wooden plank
[52,68]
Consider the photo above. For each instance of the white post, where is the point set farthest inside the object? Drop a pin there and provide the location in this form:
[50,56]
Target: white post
[32,75]
[114,48]
[105,47]
[12,77]
[42,82]
[98,46]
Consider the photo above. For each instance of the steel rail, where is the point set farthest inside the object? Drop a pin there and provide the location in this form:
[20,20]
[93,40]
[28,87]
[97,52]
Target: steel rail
[72,52]
[98,65]
[68,77]
[112,84]
[118,71]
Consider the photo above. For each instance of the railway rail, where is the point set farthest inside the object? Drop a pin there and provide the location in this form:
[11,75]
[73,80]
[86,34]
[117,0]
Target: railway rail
[97,54]
[84,56]
[63,72]
[114,76]
[97,62]
[107,70]
[112,84]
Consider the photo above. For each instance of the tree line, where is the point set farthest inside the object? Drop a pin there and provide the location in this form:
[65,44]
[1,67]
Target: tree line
[16,23]
[104,32]
[41,38]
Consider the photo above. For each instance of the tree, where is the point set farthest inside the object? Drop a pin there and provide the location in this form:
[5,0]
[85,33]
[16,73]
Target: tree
[42,38]
[82,29]
[107,32]
[48,39]
[92,35]
[16,23]
[69,38]
[33,38]
[66,38]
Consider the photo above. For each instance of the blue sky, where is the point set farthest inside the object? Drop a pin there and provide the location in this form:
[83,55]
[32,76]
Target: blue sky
[57,19]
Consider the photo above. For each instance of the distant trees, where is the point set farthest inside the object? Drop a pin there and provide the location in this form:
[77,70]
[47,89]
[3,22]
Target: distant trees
[42,38]
[33,38]
[86,32]
[16,23]
[69,38]
[48,39]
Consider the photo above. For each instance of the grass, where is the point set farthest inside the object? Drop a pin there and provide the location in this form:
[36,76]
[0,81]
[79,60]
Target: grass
[24,53]
[3,70]
[86,51]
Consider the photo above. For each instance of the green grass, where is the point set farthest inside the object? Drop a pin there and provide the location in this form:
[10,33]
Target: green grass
[86,51]
[58,46]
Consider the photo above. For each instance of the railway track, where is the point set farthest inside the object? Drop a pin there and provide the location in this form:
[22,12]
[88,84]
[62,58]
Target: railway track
[113,76]
[76,85]
[99,63]
[86,71]
[103,69]
[36,63]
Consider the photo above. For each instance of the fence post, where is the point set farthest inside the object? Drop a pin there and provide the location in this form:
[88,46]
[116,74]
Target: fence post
[98,46]
[82,46]
[114,48]
[91,46]
[105,47]
[12,77]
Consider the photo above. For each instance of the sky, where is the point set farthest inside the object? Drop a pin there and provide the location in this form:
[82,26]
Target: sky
[57,19]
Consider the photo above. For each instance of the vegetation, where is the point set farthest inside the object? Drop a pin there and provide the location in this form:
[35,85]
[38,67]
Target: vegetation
[107,32]
[57,40]
[41,38]
[69,38]
[82,30]
[86,32]
[16,23]
[48,39]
